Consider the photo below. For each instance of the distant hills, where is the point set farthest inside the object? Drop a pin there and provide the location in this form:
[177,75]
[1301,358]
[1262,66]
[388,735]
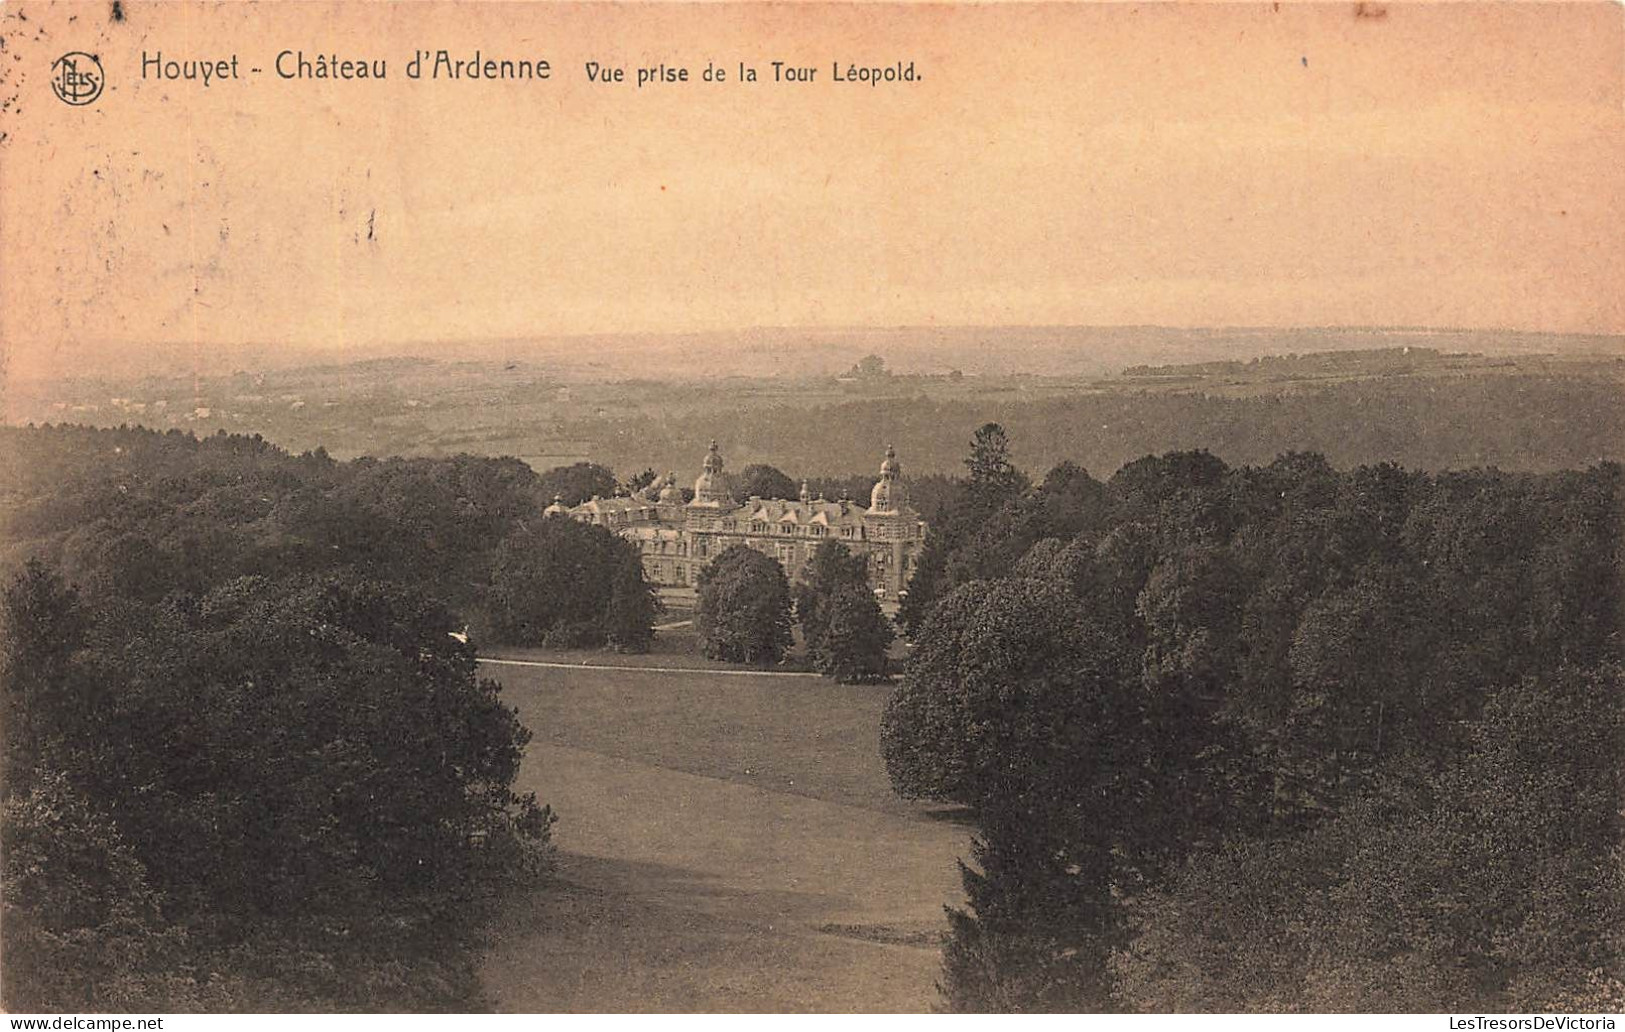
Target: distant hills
[797,352]
[1429,400]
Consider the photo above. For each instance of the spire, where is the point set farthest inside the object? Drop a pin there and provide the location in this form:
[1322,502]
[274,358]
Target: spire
[711,489]
[888,496]
[806,492]
[889,469]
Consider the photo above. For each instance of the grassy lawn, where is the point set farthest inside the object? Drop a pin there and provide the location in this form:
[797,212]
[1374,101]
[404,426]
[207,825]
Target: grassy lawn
[803,735]
[673,647]
[726,843]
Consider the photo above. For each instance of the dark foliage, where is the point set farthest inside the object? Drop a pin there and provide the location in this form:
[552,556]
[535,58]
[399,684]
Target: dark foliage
[743,611]
[846,634]
[300,783]
[759,480]
[577,483]
[247,764]
[566,584]
[856,637]
[639,481]
[1278,738]
[831,568]
[971,511]
[142,515]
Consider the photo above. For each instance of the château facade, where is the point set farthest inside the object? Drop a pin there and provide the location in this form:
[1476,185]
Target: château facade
[678,537]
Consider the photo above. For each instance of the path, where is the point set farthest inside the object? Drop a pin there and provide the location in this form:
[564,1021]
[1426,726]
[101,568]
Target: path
[547,665]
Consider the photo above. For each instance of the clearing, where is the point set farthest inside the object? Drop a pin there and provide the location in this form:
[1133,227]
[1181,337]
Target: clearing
[725,844]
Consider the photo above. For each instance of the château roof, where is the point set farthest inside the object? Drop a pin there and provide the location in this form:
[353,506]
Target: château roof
[619,504]
[713,500]
[817,512]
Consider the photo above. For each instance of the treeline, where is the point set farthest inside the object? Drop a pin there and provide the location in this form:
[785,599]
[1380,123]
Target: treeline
[745,605]
[1275,737]
[143,514]
[1516,421]
[272,796]
[248,761]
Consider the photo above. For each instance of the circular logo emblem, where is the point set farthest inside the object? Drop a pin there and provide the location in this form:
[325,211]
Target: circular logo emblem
[76,78]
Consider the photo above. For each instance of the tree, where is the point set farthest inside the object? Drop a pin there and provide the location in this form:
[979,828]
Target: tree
[1014,705]
[869,367]
[991,471]
[831,568]
[639,481]
[576,483]
[1495,883]
[330,703]
[854,486]
[567,584]
[42,626]
[970,533]
[331,814]
[1328,803]
[855,638]
[1506,869]
[759,480]
[743,612]
[633,605]
[83,929]
[846,634]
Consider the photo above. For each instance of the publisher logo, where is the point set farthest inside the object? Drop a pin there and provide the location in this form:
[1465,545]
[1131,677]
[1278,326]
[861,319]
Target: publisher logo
[76,78]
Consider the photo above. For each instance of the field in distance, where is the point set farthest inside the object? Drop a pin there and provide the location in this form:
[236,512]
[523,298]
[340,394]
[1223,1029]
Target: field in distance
[817,408]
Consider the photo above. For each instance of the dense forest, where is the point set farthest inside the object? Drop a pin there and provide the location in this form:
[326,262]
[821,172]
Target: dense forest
[143,514]
[248,761]
[1275,737]
[1279,736]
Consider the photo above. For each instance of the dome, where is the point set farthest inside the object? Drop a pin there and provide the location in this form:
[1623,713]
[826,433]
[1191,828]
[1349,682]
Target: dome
[711,488]
[889,495]
[884,497]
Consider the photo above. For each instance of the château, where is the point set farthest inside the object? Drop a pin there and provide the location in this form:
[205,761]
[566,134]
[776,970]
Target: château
[678,537]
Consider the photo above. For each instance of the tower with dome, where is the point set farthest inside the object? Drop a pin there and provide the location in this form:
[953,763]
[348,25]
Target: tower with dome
[678,538]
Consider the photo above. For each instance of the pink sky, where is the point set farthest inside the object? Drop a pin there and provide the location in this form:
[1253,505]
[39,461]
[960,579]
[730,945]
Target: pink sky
[1456,165]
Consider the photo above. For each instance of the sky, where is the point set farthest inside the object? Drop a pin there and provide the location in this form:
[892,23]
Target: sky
[1441,165]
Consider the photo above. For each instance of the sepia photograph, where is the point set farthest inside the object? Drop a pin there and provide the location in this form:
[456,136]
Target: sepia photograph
[764,507]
